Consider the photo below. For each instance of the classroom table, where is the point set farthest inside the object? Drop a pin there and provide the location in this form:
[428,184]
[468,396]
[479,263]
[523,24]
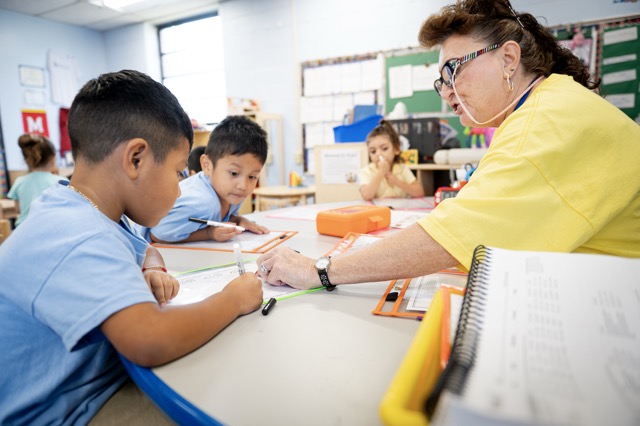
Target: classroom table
[320,358]
[282,195]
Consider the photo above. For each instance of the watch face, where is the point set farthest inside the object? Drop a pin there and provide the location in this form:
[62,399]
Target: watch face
[322,263]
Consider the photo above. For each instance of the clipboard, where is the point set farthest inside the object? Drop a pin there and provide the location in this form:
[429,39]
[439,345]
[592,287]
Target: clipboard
[403,403]
[249,243]
[397,290]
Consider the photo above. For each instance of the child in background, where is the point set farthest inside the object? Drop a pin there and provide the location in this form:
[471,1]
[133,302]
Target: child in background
[40,156]
[231,166]
[75,278]
[386,176]
[193,164]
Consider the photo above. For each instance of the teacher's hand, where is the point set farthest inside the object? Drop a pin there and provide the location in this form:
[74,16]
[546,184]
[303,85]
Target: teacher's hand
[285,266]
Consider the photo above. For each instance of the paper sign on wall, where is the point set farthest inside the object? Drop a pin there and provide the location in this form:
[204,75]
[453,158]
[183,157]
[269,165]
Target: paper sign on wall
[35,121]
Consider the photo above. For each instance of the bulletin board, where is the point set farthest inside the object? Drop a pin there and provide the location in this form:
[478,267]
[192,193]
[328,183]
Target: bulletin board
[420,101]
[620,66]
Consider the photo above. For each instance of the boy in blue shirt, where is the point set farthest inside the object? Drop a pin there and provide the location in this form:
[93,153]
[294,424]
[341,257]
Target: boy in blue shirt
[231,166]
[76,280]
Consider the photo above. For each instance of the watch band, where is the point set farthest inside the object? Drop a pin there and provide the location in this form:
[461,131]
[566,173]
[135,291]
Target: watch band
[324,279]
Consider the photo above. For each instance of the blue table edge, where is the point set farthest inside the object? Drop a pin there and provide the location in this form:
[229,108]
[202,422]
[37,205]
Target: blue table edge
[175,406]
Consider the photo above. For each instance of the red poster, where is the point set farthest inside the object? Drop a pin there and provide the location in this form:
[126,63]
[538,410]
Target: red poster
[35,121]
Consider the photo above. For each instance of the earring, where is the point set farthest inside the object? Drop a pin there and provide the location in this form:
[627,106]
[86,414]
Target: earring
[509,83]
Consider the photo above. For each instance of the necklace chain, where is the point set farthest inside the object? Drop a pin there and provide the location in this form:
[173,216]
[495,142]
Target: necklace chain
[84,196]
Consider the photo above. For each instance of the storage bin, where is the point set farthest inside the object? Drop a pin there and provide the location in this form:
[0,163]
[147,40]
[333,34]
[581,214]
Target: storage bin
[358,131]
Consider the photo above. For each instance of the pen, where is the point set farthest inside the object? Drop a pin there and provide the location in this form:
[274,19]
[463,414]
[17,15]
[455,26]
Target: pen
[238,255]
[269,306]
[214,223]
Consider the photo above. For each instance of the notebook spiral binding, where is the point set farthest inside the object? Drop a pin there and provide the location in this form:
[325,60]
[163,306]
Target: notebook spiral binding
[470,323]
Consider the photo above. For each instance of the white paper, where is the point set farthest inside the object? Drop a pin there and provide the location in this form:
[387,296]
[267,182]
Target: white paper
[331,79]
[420,292]
[422,203]
[313,85]
[364,98]
[34,97]
[424,76]
[313,134]
[405,218]
[328,132]
[197,286]
[340,166]
[350,77]
[400,81]
[372,72]
[341,106]
[620,59]
[559,341]
[619,77]
[619,36]
[308,212]
[625,100]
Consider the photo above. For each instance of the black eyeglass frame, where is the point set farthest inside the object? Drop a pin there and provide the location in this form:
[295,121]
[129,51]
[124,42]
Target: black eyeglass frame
[452,66]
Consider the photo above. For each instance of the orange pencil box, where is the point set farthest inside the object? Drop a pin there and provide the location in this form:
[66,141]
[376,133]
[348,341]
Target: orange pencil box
[361,219]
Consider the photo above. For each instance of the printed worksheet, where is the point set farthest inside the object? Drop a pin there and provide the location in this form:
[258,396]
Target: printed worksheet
[197,286]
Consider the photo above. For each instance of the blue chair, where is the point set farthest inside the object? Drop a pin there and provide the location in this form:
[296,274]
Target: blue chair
[176,407]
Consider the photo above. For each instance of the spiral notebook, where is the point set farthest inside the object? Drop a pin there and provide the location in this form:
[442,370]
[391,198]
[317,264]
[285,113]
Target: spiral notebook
[544,338]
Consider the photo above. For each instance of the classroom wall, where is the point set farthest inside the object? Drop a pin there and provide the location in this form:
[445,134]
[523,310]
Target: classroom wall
[134,47]
[259,63]
[25,40]
[265,41]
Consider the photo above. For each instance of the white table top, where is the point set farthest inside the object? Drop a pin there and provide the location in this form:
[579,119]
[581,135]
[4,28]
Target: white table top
[317,359]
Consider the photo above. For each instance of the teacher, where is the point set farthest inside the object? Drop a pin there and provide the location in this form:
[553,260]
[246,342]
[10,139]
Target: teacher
[561,173]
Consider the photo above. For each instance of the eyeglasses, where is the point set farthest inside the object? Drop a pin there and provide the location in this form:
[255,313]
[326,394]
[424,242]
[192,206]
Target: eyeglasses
[450,67]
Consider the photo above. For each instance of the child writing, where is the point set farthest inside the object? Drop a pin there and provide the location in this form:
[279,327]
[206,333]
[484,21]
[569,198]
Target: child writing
[40,156]
[234,157]
[75,278]
[386,176]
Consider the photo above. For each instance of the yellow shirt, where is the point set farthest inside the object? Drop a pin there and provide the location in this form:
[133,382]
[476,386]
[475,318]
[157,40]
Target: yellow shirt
[385,190]
[562,174]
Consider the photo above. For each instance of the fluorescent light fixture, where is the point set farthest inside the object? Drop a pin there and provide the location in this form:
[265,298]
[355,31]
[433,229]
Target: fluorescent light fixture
[120,4]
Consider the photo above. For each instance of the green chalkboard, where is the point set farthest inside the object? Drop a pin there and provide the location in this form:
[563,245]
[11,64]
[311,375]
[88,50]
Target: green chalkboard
[423,101]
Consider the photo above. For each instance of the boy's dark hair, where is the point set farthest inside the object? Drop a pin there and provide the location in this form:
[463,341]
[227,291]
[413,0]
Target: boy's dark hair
[237,135]
[120,106]
[193,163]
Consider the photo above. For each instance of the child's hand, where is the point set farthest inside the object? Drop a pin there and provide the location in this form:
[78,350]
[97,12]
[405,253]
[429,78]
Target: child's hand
[252,226]
[391,179]
[163,285]
[247,291]
[221,233]
[383,165]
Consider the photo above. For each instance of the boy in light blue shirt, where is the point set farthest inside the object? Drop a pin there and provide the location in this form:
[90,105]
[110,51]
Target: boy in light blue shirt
[78,286]
[231,166]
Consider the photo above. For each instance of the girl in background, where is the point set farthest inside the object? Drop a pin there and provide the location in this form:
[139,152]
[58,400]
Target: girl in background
[40,155]
[386,176]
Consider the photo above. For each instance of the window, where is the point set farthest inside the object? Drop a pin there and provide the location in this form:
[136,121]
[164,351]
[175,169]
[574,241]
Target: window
[192,58]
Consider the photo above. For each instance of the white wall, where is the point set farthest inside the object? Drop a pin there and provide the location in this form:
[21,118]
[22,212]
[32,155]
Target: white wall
[134,47]
[25,40]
